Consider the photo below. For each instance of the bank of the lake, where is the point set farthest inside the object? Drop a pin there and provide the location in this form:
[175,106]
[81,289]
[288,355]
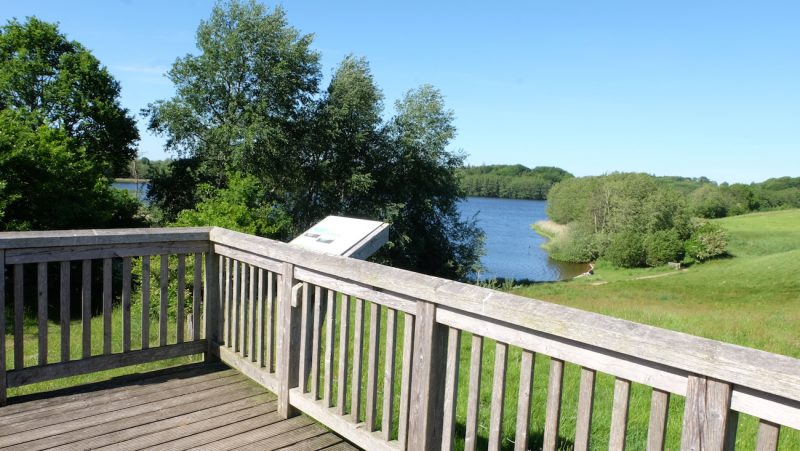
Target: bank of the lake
[513,249]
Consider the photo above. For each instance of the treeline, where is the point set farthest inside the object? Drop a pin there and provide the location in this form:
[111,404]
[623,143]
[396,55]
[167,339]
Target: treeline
[630,220]
[641,220]
[510,181]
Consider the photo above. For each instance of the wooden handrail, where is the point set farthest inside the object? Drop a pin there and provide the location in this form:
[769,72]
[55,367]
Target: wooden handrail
[253,323]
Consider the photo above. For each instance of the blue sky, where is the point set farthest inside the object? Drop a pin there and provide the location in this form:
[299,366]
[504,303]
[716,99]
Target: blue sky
[678,88]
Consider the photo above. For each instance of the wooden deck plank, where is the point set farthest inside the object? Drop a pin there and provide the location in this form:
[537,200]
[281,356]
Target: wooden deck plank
[56,399]
[73,420]
[203,406]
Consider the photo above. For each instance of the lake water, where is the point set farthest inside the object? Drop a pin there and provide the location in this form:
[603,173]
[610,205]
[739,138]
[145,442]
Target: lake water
[133,188]
[513,249]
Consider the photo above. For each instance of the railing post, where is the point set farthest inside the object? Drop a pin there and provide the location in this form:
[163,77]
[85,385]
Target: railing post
[288,334]
[212,307]
[427,380]
[3,383]
[705,418]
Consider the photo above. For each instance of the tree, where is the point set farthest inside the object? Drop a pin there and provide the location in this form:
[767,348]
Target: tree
[66,87]
[242,103]
[248,106]
[50,183]
[430,235]
[62,134]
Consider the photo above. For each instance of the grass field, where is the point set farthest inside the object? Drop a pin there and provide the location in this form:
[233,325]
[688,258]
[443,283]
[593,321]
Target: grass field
[751,299]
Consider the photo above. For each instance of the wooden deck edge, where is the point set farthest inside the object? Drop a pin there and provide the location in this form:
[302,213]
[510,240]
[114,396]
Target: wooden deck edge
[25,376]
[354,432]
[246,367]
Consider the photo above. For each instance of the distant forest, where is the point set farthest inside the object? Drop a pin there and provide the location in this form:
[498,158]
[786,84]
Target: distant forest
[510,181]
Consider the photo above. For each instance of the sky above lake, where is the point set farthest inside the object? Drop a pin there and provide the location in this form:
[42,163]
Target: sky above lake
[695,89]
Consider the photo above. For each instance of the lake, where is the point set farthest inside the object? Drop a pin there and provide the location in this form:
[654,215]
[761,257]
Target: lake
[513,249]
[133,188]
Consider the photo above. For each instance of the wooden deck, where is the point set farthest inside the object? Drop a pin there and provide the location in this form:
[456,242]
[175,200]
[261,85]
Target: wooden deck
[200,406]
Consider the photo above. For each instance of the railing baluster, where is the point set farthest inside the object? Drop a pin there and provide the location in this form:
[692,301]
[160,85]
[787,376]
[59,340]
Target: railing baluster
[145,301]
[358,342]
[657,429]
[473,395]
[768,433]
[251,315]
[259,346]
[344,328]
[226,314]
[235,301]
[330,330]
[197,296]
[619,414]
[526,367]
[65,310]
[180,309]
[498,396]
[106,306]
[41,270]
[3,388]
[211,302]
[243,310]
[583,424]
[372,364]
[405,379]
[163,308]
[315,342]
[305,323]
[553,409]
[388,373]
[288,336]
[19,340]
[86,309]
[126,304]
[270,359]
[705,417]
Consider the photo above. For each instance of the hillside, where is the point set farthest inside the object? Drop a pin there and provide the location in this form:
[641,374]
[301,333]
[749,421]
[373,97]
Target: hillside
[751,299]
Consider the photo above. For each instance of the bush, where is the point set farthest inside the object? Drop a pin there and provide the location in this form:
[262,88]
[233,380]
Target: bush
[662,246]
[708,241]
[626,249]
[578,245]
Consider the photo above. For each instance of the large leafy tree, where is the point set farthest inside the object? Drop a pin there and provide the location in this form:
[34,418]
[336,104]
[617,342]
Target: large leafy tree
[242,102]
[62,134]
[64,84]
[248,108]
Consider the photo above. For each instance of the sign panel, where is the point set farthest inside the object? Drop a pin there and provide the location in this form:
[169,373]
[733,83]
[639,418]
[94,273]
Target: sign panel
[349,237]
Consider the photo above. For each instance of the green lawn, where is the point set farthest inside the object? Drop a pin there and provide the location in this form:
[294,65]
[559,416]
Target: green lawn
[751,299]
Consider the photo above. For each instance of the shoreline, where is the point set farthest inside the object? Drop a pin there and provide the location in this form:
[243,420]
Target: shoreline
[131,180]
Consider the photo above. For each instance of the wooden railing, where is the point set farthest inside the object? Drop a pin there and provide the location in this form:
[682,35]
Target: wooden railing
[374,352]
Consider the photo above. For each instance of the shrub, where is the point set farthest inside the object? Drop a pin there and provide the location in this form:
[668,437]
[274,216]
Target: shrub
[662,246]
[708,241]
[578,245]
[626,249]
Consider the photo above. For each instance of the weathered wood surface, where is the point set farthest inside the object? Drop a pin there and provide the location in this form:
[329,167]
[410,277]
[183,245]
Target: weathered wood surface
[104,237]
[199,406]
[738,365]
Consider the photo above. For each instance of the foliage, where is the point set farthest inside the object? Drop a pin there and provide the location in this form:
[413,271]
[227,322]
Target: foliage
[62,133]
[61,85]
[626,249]
[51,184]
[708,241]
[144,168]
[662,246]
[630,219]
[237,207]
[510,181]
[249,106]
